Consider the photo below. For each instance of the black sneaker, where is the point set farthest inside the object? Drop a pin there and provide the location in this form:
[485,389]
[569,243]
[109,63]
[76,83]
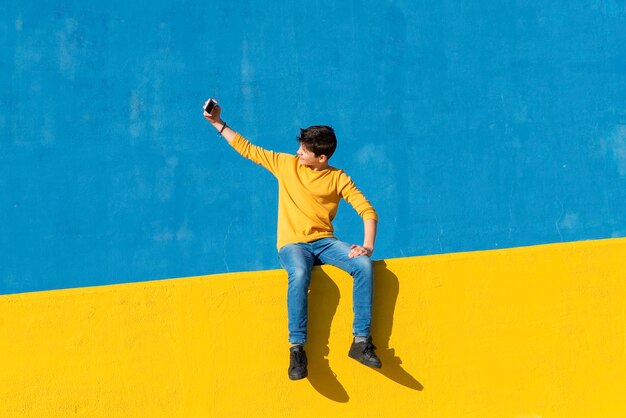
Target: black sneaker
[297,363]
[364,353]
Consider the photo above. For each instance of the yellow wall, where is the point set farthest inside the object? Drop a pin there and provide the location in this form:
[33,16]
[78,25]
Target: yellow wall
[525,332]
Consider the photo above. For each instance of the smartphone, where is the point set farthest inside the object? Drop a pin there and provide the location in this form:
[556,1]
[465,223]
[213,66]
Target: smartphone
[209,106]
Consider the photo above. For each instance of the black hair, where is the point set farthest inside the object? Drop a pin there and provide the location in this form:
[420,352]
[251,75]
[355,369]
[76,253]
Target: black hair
[318,139]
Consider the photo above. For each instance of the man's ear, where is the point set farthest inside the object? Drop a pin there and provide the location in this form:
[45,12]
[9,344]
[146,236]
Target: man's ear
[322,158]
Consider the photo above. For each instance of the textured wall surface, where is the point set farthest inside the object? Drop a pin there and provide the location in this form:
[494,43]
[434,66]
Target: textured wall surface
[525,332]
[469,125]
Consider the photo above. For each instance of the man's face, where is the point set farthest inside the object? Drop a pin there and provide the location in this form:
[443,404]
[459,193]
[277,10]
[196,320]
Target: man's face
[306,157]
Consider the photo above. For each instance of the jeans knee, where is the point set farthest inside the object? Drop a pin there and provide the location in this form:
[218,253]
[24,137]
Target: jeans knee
[363,264]
[298,276]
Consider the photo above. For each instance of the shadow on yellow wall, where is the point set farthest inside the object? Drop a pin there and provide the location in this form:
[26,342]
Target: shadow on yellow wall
[324,298]
[387,288]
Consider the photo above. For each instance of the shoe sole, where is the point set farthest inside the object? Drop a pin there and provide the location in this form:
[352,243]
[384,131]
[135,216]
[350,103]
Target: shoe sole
[374,366]
[298,377]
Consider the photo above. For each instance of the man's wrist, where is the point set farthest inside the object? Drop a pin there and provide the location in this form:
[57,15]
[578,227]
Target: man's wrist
[220,126]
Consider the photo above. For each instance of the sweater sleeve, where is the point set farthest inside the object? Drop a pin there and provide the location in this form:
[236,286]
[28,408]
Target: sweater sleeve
[265,158]
[351,194]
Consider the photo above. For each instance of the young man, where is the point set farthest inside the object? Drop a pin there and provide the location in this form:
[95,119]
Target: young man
[309,190]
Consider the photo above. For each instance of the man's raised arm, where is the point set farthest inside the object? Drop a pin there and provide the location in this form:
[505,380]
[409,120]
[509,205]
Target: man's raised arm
[266,158]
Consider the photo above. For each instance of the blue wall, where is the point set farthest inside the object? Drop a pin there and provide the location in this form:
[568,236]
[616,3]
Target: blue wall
[469,126]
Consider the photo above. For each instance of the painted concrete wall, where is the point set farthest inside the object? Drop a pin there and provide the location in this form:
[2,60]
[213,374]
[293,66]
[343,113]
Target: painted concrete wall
[526,332]
[469,125]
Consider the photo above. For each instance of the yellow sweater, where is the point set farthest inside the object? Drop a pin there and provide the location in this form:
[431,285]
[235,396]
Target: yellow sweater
[307,199]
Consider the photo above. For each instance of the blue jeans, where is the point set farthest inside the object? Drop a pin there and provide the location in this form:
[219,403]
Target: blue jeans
[298,260]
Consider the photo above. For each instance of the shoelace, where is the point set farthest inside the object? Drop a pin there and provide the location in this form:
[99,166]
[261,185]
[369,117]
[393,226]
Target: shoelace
[298,357]
[369,350]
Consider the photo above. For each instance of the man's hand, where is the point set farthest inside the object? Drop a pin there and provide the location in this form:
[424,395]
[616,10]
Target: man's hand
[357,250]
[214,116]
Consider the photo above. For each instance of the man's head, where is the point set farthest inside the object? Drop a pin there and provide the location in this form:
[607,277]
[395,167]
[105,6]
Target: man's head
[317,144]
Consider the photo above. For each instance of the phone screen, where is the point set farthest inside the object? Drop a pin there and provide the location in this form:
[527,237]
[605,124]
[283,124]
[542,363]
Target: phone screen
[209,106]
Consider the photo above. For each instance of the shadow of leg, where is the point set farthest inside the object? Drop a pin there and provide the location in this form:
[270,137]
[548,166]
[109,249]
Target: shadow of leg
[386,288]
[323,301]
